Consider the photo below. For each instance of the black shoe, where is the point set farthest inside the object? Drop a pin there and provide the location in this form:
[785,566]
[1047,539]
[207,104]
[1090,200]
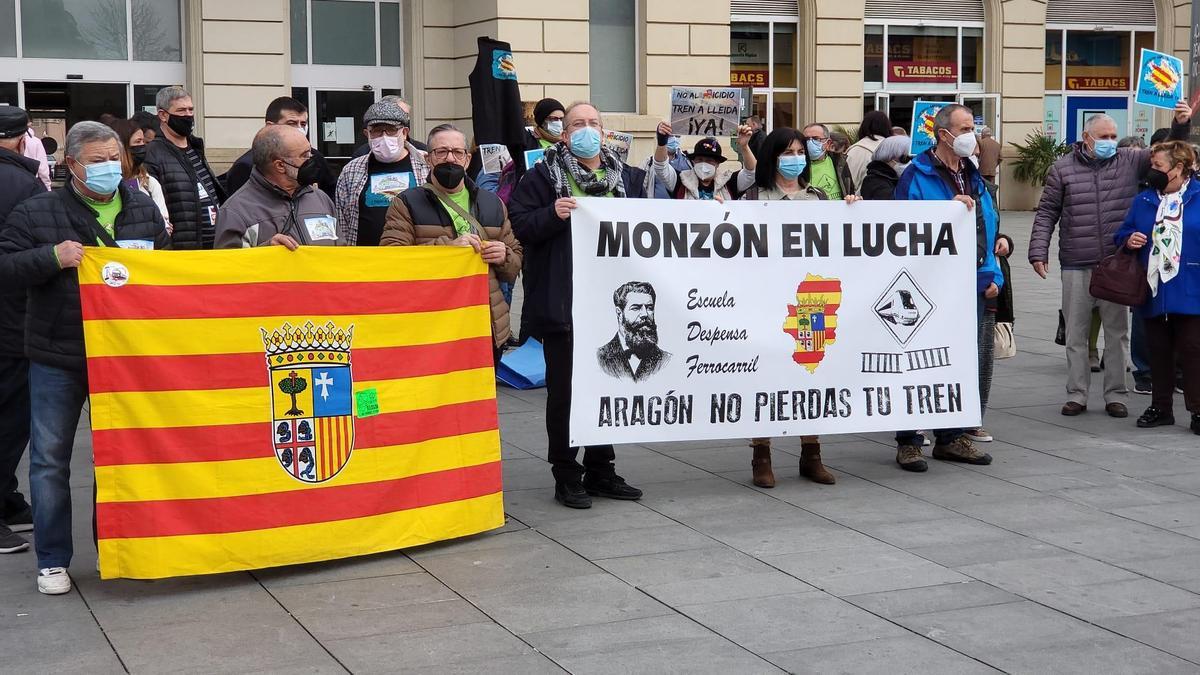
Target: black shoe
[1196,424]
[613,487]
[572,495]
[11,543]
[1142,387]
[1153,417]
[21,521]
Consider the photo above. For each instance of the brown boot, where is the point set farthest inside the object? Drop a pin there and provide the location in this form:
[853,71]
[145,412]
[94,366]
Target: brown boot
[764,477]
[811,467]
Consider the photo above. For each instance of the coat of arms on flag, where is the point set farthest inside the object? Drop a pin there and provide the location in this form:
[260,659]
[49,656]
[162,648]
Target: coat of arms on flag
[312,421]
[812,321]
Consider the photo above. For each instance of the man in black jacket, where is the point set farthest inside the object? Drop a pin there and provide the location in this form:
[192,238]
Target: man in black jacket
[176,159]
[18,182]
[284,110]
[540,210]
[41,244]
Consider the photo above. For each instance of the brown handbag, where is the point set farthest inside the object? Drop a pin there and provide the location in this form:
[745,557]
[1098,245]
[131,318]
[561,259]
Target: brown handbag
[1121,278]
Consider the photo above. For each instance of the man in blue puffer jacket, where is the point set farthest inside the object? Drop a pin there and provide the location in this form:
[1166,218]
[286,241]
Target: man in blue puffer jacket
[945,172]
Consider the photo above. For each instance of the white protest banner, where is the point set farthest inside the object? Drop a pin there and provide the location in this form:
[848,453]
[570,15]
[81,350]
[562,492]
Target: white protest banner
[494,156]
[619,143]
[702,320]
[705,111]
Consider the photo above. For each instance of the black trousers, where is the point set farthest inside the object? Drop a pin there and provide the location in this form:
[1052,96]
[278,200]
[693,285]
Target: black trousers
[597,459]
[1174,340]
[14,430]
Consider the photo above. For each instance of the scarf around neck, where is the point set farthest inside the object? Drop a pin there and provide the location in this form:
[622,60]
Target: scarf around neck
[562,164]
[1166,239]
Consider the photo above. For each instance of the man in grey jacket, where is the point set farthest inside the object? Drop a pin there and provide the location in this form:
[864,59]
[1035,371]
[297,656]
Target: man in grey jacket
[1087,194]
[278,204]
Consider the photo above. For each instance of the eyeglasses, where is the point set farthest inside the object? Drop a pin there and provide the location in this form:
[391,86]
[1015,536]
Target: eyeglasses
[443,153]
[380,131]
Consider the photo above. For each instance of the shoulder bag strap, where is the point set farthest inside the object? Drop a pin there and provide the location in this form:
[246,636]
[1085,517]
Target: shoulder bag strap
[479,229]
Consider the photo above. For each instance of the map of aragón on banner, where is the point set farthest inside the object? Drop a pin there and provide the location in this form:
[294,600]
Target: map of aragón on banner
[701,320]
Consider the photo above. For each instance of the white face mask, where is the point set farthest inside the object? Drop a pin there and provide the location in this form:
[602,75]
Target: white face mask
[965,144]
[704,171]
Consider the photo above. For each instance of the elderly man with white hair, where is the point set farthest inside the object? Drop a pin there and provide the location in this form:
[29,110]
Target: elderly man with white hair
[44,239]
[1087,193]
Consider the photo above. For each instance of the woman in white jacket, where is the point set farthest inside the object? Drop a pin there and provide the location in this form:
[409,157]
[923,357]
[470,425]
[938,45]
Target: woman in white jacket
[875,127]
[132,168]
[706,179]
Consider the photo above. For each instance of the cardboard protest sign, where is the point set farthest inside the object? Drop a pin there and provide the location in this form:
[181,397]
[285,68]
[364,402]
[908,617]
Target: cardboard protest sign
[1160,80]
[494,156]
[619,143]
[705,111]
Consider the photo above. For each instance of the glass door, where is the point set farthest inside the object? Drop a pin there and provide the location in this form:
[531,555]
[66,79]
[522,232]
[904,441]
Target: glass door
[337,121]
[986,109]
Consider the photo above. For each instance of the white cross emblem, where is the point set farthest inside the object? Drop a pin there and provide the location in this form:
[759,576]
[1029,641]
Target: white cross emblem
[324,382]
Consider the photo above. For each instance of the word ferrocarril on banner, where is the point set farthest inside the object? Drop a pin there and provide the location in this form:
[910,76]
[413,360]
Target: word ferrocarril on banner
[702,320]
[262,407]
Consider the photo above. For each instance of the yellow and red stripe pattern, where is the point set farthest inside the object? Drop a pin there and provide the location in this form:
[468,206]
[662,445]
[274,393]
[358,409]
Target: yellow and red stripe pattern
[188,479]
[812,321]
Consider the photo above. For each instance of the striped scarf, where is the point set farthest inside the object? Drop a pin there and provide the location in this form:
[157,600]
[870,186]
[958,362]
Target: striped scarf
[562,164]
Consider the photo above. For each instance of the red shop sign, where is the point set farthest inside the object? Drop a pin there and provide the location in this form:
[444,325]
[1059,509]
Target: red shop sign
[1098,83]
[923,71]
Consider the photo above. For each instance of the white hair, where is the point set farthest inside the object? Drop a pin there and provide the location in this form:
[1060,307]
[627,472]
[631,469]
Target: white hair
[1092,121]
[88,132]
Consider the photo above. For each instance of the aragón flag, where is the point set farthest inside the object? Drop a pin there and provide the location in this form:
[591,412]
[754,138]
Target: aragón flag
[262,407]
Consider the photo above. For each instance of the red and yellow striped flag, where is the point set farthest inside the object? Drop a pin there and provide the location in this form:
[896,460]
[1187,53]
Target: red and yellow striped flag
[262,407]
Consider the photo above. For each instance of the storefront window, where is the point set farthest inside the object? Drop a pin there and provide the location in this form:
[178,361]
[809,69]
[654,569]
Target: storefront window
[749,62]
[873,55]
[8,28]
[74,29]
[389,33]
[1097,61]
[922,54]
[343,33]
[785,55]
[972,55]
[156,30]
[1054,60]
[298,15]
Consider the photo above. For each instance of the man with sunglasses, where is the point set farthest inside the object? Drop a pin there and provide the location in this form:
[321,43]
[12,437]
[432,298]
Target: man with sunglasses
[278,204]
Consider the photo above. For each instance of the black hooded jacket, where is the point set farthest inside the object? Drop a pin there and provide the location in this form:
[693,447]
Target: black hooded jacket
[18,182]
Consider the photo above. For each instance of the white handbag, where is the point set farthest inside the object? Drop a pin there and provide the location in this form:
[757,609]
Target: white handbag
[1006,341]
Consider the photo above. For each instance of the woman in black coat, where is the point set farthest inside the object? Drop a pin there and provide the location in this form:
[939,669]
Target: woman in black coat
[883,173]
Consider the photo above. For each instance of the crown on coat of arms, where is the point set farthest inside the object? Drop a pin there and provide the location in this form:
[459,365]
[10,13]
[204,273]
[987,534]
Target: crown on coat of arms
[307,344]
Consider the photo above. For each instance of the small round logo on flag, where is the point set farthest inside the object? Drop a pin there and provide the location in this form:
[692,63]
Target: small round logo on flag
[115,274]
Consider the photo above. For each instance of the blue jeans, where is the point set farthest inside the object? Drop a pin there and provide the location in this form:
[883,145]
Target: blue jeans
[945,436]
[57,398]
[1137,350]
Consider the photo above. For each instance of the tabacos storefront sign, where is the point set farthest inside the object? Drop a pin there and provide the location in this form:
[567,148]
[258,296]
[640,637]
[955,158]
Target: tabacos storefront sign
[945,72]
[1098,83]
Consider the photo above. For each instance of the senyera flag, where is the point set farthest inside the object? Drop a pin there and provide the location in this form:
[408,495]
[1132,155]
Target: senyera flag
[263,407]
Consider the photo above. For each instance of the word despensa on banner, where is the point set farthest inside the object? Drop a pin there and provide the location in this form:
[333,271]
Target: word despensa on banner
[745,319]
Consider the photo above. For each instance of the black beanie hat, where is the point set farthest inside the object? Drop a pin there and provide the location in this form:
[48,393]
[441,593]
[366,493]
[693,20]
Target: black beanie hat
[543,109]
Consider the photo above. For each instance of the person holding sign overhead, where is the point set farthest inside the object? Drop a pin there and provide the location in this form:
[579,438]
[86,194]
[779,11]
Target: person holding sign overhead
[783,173]
[541,218]
[369,183]
[705,179]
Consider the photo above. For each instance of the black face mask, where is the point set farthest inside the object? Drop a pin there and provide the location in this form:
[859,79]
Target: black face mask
[181,125]
[137,154]
[449,174]
[308,171]
[1157,179]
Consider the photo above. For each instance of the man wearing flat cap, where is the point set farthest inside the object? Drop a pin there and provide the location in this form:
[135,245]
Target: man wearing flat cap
[18,182]
[369,183]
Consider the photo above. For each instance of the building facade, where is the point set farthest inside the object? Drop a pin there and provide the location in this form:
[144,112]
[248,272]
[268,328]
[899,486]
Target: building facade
[1021,65]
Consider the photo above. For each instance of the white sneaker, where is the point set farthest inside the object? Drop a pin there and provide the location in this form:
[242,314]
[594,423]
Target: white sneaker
[54,581]
[979,435]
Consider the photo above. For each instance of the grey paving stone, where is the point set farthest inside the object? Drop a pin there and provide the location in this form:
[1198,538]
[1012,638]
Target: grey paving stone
[632,542]
[1109,654]
[1171,568]
[663,568]
[1094,602]
[884,656]
[1172,632]
[366,567]
[732,587]
[1122,492]
[1024,576]
[338,623]
[538,510]
[561,603]
[1035,513]
[1184,481]
[470,646]
[956,530]
[500,567]
[130,605]
[1009,547]
[63,645]
[235,643]
[932,599]
[529,664]
[1170,516]
[887,507]
[995,630]
[1121,542]
[375,593]
[864,569]
[763,542]
[791,622]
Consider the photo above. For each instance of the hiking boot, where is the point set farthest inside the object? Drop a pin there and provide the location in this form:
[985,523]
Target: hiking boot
[979,435]
[1072,409]
[961,450]
[909,458]
[1117,410]
[572,495]
[612,487]
[11,543]
[1155,417]
[811,466]
[760,466]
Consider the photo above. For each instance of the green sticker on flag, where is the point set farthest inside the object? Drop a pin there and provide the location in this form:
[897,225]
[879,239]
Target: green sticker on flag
[366,403]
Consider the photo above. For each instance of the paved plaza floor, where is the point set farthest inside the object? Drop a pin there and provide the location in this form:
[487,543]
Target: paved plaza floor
[1077,550]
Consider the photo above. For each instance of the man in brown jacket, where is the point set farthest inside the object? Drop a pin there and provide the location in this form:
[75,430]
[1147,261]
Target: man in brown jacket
[450,210]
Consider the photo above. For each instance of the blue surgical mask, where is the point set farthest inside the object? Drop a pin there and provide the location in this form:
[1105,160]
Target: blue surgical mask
[585,142]
[1105,148]
[791,166]
[673,144]
[102,177]
[816,149]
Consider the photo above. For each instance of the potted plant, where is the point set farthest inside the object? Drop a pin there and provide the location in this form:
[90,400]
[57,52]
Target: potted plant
[1035,157]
